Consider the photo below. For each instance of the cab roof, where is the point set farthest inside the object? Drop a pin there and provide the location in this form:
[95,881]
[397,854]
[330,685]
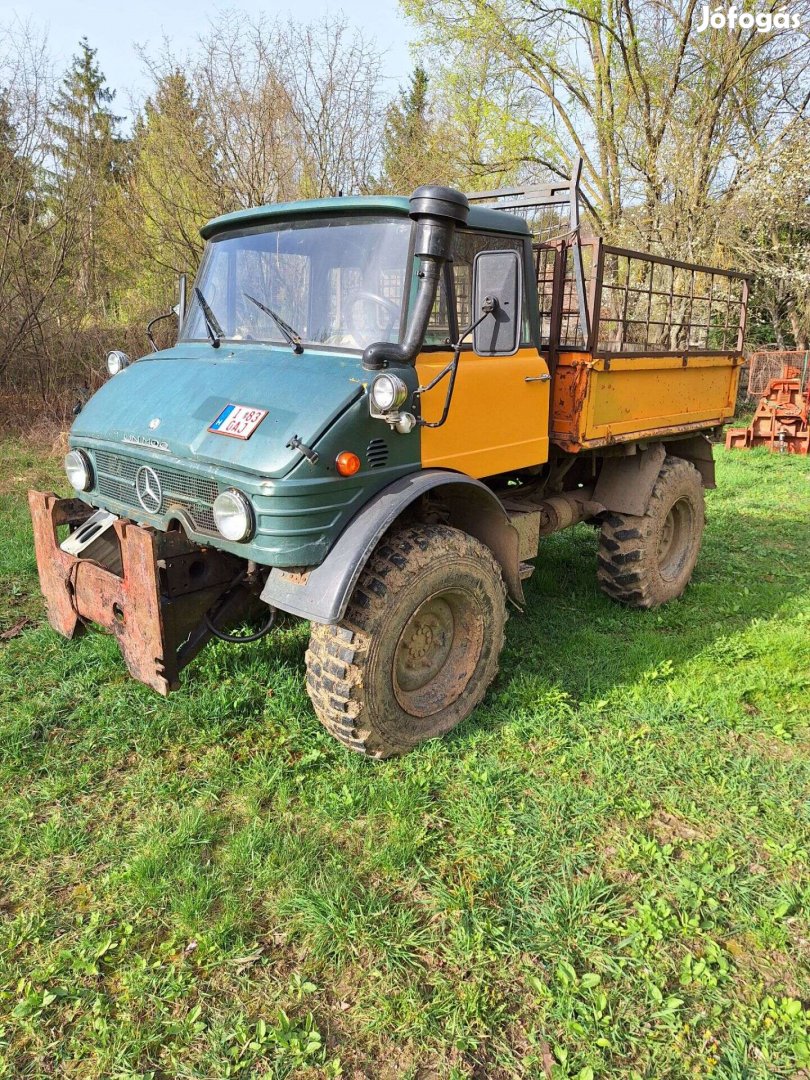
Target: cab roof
[481,217]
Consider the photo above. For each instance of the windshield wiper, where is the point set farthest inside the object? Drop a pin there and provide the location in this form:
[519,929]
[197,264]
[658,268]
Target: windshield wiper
[292,336]
[212,327]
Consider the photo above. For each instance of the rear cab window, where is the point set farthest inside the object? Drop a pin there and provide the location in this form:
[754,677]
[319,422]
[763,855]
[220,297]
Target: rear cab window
[452,311]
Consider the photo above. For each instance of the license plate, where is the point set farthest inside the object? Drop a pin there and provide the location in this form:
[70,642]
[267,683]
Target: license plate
[238,421]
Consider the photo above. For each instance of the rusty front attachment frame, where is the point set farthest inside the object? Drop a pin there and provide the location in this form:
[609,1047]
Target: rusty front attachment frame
[155,605]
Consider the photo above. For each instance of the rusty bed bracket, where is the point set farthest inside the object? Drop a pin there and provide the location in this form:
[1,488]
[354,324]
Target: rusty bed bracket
[166,585]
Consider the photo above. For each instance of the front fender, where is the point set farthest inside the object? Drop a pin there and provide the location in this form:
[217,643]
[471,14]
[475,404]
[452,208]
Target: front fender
[322,594]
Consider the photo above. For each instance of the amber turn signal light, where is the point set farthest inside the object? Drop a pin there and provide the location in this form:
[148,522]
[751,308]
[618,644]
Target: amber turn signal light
[347,463]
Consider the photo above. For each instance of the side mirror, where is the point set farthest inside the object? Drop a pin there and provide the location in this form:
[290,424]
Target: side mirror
[180,308]
[498,287]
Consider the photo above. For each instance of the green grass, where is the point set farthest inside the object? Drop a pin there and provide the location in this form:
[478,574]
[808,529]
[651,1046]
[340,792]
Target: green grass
[603,873]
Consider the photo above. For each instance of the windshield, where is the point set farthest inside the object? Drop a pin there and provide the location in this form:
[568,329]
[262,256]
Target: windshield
[329,281]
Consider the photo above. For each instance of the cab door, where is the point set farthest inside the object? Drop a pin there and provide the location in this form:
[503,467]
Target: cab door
[499,416]
[498,419]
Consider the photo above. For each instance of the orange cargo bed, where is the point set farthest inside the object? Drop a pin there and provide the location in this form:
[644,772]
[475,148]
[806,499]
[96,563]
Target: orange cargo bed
[596,401]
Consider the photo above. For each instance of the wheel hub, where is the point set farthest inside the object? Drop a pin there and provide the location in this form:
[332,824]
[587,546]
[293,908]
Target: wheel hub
[425,644]
[674,539]
[437,652]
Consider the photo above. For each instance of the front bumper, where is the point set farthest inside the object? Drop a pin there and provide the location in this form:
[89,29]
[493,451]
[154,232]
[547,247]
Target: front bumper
[155,606]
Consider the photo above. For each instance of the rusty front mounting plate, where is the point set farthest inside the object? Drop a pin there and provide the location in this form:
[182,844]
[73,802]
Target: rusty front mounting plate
[166,586]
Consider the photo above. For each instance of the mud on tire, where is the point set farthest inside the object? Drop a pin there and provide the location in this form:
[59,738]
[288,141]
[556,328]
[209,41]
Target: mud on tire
[418,646]
[646,561]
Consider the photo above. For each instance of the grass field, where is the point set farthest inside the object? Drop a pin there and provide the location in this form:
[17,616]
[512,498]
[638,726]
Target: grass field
[604,873]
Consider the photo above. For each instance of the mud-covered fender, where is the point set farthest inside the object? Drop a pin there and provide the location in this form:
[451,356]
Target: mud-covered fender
[698,450]
[322,594]
[626,482]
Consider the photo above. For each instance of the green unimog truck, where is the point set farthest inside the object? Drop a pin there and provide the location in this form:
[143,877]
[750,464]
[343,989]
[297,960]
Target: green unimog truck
[374,411]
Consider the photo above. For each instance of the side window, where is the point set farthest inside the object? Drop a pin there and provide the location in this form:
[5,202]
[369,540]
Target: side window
[438,329]
[465,247]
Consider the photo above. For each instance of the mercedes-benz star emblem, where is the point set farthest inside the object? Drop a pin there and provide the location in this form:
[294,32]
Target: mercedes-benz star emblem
[148,489]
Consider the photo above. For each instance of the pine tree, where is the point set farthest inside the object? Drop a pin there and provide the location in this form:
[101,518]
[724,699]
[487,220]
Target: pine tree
[407,138]
[89,158]
[173,186]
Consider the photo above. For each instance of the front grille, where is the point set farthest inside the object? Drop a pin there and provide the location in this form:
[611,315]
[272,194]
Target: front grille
[377,453]
[194,495]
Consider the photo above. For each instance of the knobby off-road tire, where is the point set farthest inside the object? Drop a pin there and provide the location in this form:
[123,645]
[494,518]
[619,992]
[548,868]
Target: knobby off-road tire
[418,646]
[646,561]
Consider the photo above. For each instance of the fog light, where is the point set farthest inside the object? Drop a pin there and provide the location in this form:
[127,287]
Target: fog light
[233,515]
[79,470]
[117,361]
[388,392]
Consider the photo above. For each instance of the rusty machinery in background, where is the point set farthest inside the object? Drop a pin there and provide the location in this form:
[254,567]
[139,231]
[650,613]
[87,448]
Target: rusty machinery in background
[781,418]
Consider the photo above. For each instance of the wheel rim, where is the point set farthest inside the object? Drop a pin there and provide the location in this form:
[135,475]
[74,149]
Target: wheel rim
[437,652]
[675,539]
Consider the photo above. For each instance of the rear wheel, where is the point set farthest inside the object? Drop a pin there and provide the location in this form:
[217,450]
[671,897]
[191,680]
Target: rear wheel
[418,646]
[646,561]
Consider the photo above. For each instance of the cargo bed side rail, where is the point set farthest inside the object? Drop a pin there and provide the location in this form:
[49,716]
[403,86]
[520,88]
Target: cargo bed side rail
[639,304]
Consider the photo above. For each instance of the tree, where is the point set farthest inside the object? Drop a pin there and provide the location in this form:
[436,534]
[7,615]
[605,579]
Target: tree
[16,171]
[36,233]
[407,136]
[668,120]
[291,110]
[88,157]
[767,227]
[333,74]
[172,188]
[448,136]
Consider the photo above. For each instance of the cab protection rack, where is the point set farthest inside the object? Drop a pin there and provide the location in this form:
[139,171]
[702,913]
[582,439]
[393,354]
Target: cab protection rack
[611,301]
[551,211]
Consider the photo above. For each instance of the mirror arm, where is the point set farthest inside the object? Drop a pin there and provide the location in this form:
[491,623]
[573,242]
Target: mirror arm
[149,325]
[490,307]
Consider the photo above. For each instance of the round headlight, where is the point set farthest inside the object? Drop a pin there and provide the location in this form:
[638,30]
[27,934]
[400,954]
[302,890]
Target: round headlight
[233,515]
[388,392]
[79,470]
[117,361]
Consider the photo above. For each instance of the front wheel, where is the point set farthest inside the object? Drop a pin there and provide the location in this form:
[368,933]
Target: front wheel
[418,646]
[646,561]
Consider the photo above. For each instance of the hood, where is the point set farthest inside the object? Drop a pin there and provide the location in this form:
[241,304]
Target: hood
[168,400]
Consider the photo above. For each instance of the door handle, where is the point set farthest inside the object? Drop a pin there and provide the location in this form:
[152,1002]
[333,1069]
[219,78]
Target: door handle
[537,378]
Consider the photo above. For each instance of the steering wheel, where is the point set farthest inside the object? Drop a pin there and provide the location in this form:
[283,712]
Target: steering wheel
[388,306]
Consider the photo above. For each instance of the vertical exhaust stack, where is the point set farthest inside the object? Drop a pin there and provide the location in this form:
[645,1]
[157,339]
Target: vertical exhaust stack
[436,211]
